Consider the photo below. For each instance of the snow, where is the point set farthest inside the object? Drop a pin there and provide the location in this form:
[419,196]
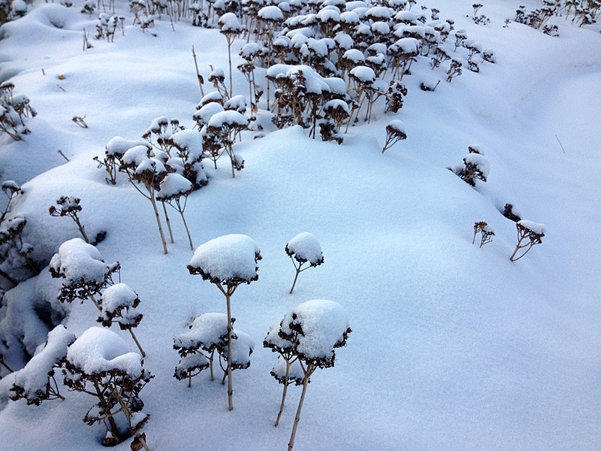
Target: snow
[305,247]
[226,258]
[174,185]
[208,329]
[98,350]
[229,23]
[480,353]
[117,145]
[207,111]
[271,13]
[227,118]
[408,46]
[34,376]
[323,324]
[397,125]
[77,261]
[117,296]
[363,74]
[354,55]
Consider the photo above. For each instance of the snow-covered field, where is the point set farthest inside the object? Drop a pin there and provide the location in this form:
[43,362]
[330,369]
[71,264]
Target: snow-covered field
[452,346]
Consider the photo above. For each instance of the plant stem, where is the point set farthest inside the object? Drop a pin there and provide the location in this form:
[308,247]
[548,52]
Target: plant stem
[156,215]
[137,342]
[277,420]
[300,406]
[168,222]
[295,277]
[181,212]
[230,390]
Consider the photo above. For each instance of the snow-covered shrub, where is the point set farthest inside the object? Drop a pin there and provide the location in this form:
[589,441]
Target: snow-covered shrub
[227,261]
[15,254]
[395,132]
[145,171]
[454,70]
[84,271]
[35,382]
[475,167]
[485,231]
[14,109]
[118,304]
[510,213]
[308,334]
[529,233]
[303,249]
[223,128]
[208,335]
[99,364]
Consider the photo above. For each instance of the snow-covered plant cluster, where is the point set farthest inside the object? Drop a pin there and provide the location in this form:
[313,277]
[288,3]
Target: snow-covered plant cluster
[475,167]
[579,12]
[207,339]
[16,263]
[305,252]
[85,275]
[165,166]
[100,364]
[14,110]
[305,340]
[227,262]
[11,10]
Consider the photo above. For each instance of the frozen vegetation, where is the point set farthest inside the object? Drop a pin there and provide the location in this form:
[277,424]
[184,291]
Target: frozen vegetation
[474,301]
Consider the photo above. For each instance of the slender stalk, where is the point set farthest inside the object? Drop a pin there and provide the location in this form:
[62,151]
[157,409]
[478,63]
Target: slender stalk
[230,390]
[137,342]
[168,221]
[277,420]
[295,277]
[81,229]
[198,76]
[229,59]
[156,215]
[181,212]
[300,406]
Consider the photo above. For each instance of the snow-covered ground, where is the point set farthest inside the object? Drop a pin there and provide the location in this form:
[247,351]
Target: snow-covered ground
[452,346]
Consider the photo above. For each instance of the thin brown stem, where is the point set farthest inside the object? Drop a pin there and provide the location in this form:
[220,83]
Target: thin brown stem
[308,372]
[168,221]
[230,390]
[284,391]
[137,342]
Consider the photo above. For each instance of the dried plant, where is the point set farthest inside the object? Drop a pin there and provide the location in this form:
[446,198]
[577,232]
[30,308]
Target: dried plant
[485,231]
[529,234]
[69,206]
[228,262]
[14,109]
[395,132]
